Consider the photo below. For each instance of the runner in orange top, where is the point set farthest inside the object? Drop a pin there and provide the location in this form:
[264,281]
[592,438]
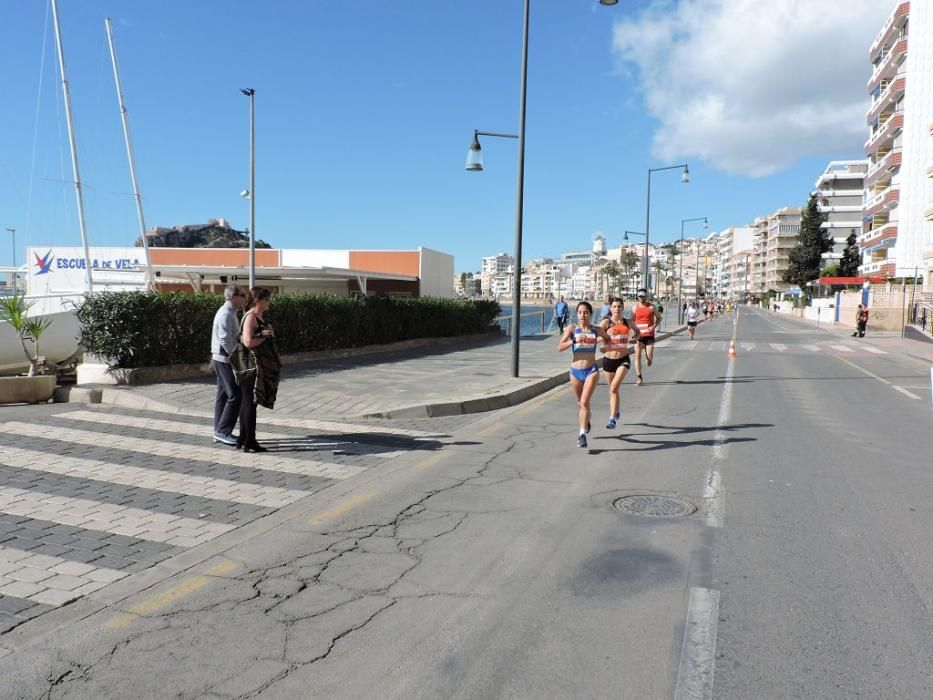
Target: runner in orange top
[616,363]
[647,319]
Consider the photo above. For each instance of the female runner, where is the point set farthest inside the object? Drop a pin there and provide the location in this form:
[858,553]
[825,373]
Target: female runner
[584,373]
[616,362]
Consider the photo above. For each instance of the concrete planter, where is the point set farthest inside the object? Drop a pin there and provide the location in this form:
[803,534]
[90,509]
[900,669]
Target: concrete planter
[27,389]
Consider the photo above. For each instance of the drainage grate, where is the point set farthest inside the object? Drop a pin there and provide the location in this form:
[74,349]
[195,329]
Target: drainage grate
[654,506]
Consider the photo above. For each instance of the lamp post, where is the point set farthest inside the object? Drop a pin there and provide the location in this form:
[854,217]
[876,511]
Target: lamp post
[684,177]
[680,285]
[519,207]
[251,94]
[639,233]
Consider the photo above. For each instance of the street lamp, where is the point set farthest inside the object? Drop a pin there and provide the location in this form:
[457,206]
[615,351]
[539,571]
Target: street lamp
[475,164]
[680,285]
[251,193]
[684,177]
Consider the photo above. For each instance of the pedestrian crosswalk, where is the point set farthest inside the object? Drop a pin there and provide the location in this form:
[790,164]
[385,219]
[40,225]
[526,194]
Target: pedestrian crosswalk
[687,345]
[90,496]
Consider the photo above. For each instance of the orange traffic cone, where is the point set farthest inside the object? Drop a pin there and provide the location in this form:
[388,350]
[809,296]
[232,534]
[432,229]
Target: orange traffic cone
[731,348]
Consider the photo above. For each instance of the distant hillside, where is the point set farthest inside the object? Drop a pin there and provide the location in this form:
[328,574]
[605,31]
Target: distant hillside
[216,233]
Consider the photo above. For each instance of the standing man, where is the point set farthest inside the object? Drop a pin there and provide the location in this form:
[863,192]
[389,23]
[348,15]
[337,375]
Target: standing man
[647,319]
[224,334]
[561,313]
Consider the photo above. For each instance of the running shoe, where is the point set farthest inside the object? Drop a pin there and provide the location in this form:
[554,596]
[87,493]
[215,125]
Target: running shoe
[612,423]
[581,441]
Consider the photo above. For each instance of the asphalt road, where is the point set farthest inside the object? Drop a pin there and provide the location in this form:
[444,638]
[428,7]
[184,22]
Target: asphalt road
[487,560]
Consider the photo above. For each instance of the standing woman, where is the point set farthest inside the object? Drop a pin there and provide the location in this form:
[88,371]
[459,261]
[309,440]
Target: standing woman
[259,384]
[584,373]
[616,362]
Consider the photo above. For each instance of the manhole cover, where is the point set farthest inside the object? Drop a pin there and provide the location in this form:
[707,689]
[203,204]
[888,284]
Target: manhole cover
[654,506]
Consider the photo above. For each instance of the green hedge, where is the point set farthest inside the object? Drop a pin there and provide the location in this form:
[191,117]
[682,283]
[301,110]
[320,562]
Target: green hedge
[138,329]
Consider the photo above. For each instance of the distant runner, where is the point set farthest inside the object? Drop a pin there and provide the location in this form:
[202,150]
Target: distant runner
[693,317]
[647,319]
[584,373]
[616,362]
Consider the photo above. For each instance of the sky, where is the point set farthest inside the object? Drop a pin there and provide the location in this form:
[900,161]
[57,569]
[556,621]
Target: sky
[365,111]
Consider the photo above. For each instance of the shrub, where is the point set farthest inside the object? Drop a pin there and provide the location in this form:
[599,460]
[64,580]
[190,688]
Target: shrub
[138,329]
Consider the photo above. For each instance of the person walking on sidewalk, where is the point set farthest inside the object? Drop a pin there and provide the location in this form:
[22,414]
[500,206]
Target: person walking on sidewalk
[647,319]
[693,318]
[861,321]
[616,363]
[561,314]
[223,343]
[259,384]
[584,372]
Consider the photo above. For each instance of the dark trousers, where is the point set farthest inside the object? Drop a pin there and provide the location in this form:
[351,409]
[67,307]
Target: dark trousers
[227,402]
[861,328]
[247,413]
[561,322]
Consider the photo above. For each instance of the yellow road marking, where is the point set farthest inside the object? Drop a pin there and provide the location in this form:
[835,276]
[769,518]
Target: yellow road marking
[490,429]
[533,406]
[429,462]
[344,507]
[862,370]
[167,597]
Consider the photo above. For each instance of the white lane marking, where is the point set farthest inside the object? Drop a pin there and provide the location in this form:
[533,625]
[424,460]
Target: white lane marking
[119,520]
[188,484]
[778,346]
[842,348]
[712,494]
[811,348]
[905,392]
[323,425]
[712,490]
[869,348]
[193,429]
[50,580]
[748,346]
[696,673]
[270,461]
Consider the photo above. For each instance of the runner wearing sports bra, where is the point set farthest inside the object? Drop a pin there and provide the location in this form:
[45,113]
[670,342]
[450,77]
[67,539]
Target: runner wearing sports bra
[582,338]
[616,363]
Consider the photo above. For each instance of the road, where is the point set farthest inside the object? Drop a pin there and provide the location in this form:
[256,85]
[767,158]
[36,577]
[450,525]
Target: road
[487,556]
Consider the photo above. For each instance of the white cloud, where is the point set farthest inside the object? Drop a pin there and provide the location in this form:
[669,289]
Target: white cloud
[750,86]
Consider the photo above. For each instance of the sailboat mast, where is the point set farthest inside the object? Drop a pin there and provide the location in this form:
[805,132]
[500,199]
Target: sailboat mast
[129,151]
[74,149]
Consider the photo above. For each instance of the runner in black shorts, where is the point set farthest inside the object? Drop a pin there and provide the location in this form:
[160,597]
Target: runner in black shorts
[616,363]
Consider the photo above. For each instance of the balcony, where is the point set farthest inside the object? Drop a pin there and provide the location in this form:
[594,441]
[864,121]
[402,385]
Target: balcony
[881,268]
[894,22]
[885,135]
[882,201]
[884,237]
[928,214]
[892,93]
[889,64]
[883,167]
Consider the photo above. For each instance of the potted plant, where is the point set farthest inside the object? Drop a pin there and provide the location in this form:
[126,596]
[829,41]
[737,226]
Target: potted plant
[36,385]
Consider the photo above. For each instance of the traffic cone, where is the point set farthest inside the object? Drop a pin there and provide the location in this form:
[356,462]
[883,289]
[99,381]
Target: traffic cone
[731,348]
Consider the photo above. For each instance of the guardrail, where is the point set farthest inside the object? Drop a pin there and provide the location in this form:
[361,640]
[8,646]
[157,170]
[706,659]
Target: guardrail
[921,314]
[508,319]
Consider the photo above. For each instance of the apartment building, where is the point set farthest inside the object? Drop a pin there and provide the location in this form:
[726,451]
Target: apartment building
[495,266]
[758,276]
[897,231]
[840,191]
[783,228]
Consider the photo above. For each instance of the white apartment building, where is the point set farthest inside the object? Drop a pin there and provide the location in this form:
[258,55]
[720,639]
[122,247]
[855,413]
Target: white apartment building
[783,229]
[897,232]
[758,275]
[494,266]
[840,191]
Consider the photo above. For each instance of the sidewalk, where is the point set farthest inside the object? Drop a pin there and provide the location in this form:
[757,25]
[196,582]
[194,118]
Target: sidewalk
[415,383]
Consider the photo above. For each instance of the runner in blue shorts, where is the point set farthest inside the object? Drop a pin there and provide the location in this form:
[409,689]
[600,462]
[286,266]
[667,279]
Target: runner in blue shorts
[582,337]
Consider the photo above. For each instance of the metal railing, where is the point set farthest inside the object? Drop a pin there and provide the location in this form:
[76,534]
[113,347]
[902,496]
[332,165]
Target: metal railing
[920,314]
[509,317]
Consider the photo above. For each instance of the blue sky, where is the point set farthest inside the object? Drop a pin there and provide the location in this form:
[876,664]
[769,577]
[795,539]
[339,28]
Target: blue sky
[365,110]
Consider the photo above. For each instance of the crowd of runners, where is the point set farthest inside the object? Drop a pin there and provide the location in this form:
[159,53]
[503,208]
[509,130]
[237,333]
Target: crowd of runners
[612,333]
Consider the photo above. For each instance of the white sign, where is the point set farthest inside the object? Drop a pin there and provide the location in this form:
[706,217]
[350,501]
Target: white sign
[60,270]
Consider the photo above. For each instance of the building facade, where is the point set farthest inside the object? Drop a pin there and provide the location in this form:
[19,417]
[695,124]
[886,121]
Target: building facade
[897,231]
[840,191]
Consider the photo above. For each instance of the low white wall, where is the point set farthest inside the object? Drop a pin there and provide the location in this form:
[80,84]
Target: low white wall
[437,274]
